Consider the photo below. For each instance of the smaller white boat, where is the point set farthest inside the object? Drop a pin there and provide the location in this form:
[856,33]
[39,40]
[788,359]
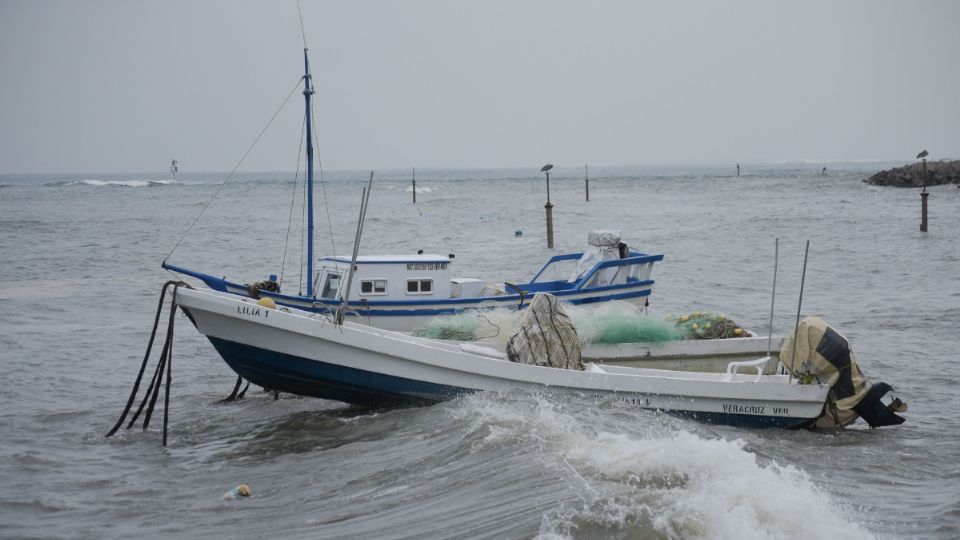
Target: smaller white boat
[309,354]
[403,292]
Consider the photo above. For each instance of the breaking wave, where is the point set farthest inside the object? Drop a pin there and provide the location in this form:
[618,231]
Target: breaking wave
[124,183]
[659,480]
[131,183]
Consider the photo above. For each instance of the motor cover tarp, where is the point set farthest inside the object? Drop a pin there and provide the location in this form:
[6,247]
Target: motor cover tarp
[601,246]
[546,336]
[824,356]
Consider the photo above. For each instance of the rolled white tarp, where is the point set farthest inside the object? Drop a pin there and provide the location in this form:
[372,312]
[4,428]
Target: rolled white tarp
[601,246]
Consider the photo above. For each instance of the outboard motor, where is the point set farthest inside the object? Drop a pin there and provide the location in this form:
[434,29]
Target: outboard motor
[824,356]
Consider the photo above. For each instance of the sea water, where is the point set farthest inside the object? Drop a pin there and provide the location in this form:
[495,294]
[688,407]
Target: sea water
[80,258]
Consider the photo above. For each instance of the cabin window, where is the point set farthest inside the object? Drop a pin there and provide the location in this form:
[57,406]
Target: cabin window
[373,286]
[330,286]
[419,286]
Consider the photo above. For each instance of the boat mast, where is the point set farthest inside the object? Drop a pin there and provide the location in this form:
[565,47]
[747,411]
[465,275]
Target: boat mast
[307,92]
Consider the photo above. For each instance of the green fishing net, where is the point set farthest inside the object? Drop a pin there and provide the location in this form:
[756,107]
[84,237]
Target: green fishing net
[456,329]
[703,325]
[613,323]
[461,327]
[609,328]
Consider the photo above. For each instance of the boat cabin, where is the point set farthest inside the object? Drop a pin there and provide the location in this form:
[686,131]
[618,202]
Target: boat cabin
[393,277]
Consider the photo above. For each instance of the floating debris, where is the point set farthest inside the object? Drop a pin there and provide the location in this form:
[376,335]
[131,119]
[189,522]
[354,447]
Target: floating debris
[242,490]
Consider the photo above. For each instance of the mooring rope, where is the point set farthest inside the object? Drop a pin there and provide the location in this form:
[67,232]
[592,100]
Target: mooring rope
[164,367]
[237,393]
[146,357]
[163,372]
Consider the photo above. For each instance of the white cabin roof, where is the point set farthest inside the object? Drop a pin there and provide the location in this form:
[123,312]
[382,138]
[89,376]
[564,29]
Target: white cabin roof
[392,259]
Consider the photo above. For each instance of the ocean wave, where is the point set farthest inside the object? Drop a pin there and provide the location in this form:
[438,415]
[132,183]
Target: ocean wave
[123,183]
[131,183]
[659,480]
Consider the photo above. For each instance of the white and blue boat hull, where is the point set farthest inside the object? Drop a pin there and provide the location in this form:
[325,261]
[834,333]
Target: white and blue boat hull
[307,354]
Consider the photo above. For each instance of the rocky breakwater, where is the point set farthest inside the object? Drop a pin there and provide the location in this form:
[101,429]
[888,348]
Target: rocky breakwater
[938,173]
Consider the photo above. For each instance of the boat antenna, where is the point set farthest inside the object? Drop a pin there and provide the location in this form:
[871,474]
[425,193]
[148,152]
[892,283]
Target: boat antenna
[796,326]
[364,199]
[303,34]
[773,295]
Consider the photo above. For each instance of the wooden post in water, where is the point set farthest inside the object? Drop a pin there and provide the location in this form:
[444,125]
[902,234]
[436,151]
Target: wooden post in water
[923,194]
[923,199]
[586,180]
[414,185]
[549,207]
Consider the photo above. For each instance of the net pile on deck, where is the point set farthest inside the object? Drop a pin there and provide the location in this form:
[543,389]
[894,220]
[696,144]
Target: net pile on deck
[703,325]
[546,336]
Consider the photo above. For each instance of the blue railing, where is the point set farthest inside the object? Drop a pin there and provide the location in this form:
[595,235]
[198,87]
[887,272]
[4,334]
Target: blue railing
[635,258]
[554,259]
[638,259]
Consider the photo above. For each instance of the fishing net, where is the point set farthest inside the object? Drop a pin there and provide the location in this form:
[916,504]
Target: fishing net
[702,325]
[609,323]
[621,322]
[469,326]
[546,336]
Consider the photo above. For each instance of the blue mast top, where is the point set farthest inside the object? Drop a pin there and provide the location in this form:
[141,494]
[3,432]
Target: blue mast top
[307,92]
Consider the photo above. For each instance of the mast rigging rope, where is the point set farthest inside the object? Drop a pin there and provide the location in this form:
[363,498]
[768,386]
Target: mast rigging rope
[293,197]
[234,170]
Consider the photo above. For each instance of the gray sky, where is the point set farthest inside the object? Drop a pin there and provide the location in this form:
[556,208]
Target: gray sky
[113,86]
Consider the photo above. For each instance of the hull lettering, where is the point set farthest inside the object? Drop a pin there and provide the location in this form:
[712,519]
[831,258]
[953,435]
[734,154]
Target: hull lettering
[743,409]
[253,311]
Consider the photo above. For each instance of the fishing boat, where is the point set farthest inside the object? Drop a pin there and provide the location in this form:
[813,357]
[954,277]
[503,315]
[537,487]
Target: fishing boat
[306,345]
[402,292]
[310,354]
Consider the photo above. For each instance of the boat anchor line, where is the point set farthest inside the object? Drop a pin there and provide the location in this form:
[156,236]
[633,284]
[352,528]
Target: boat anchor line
[163,372]
[164,366]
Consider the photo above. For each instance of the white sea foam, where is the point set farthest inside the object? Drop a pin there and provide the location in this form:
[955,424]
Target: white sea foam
[714,488]
[676,482]
[123,183]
